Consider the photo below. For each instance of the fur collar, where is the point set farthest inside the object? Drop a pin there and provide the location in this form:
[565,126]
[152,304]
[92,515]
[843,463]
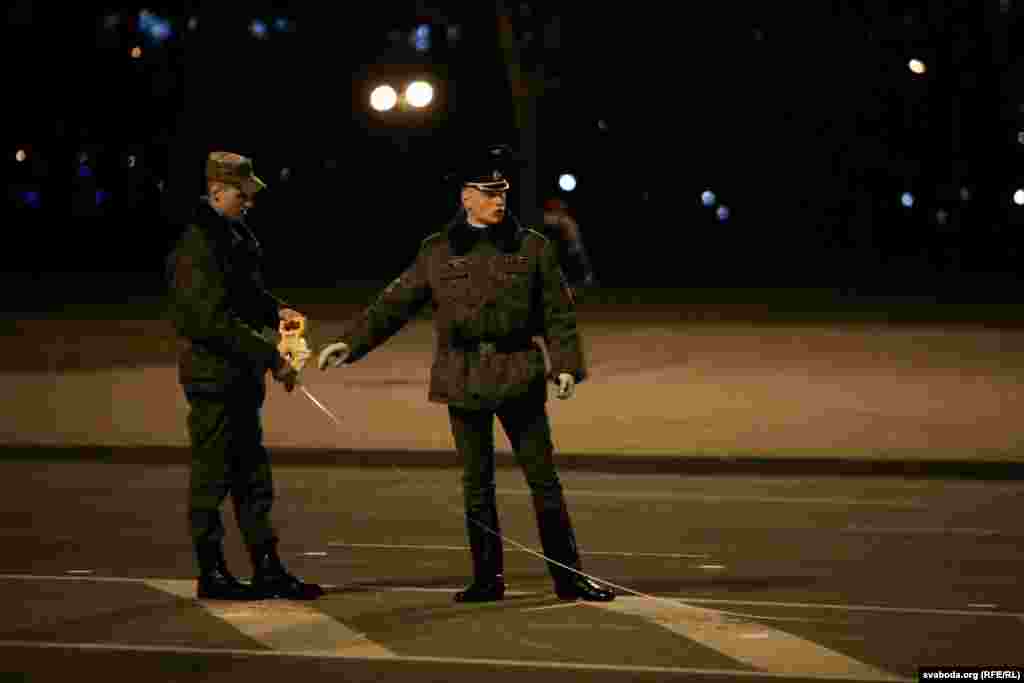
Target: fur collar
[507,236]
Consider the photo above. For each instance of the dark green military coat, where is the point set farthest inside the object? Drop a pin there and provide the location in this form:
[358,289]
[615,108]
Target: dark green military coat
[491,290]
[220,307]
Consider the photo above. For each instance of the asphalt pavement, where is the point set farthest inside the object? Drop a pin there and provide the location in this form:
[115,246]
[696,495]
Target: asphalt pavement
[720,577]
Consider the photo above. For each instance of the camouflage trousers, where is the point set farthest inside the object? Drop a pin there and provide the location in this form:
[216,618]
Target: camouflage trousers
[228,457]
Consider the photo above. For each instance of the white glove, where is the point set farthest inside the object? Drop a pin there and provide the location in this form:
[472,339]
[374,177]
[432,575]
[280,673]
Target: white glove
[334,355]
[566,386]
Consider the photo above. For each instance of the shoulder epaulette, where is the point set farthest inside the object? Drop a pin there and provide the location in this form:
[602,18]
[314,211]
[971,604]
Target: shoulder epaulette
[429,238]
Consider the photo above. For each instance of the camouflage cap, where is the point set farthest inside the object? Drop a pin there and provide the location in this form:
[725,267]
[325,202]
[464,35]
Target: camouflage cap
[233,169]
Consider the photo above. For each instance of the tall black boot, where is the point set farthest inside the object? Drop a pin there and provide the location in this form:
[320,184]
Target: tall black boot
[559,543]
[488,558]
[271,580]
[215,581]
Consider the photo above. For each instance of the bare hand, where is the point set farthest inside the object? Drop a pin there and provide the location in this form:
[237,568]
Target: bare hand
[286,374]
[566,386]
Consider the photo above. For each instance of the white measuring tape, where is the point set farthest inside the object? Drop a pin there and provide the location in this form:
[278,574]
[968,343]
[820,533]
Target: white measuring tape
[675,603]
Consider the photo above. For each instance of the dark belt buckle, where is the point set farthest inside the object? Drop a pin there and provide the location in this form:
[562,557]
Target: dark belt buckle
[487,348]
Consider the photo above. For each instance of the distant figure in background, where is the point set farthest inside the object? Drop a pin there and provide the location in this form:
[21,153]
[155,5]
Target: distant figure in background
[220,310]
[563,230]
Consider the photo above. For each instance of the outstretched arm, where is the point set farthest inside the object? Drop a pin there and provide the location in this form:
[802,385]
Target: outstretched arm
[389,312]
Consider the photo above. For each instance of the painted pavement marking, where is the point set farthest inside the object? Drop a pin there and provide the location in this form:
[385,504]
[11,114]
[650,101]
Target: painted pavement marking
[282,625]
[298,629]
[759,646]
[395,546]
[482,661]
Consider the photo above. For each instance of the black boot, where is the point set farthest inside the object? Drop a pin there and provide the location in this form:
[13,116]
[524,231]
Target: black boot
[488,558]
[559,543]
[215,581]
[271,580]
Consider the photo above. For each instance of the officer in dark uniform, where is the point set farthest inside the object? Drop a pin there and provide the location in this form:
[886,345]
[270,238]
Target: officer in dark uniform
[225,319]
[493,285]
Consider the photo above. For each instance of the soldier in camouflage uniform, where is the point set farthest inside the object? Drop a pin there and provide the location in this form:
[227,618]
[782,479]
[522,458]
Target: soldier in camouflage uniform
[493,285]
[225,320]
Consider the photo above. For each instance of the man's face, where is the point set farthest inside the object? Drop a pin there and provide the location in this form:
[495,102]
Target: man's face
[231,201]
[485,207]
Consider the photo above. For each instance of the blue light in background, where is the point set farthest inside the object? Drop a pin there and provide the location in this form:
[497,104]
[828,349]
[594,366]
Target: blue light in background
[281,24]
[161,30]
[32,198]
[84,171]
[101,196]
[907,200]
[707,198]
[723,213]
[258,28]
[155,27]
[420,38]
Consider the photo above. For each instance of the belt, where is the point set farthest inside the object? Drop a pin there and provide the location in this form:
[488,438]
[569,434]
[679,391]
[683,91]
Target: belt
[488,346]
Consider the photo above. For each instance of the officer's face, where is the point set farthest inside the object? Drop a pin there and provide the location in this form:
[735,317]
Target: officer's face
[483,206]
[231,201]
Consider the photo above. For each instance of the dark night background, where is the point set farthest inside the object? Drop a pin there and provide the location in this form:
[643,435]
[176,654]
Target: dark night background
[803,118]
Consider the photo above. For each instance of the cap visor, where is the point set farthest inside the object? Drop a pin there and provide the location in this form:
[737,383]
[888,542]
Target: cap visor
[494,186]
[252,185]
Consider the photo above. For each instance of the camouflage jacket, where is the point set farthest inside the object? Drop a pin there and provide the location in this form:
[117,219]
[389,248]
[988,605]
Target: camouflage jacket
[491,291]
[223,315]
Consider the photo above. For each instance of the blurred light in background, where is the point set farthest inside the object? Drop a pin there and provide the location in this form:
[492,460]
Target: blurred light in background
[907,199]
[136,52]
[1020,137]
[84,171]
[723,213]
[420,38]
[286,174]
[917,66]
[1018,197]
[282,25]
[32,199]
[20,155]
[965,194]
[101,196]
[941,216]
[383,98]
[707,198]
[567,181]
[155,27]
[419,94]
[258,29]
[193,23]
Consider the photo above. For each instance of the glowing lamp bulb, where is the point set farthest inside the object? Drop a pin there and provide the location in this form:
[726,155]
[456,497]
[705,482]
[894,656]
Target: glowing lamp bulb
[383,98]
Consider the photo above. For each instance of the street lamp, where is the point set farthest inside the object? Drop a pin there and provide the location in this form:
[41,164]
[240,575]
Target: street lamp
[419,94]
[383,98]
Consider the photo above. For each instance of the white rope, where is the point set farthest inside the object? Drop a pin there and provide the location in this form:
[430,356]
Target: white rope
[406,478]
